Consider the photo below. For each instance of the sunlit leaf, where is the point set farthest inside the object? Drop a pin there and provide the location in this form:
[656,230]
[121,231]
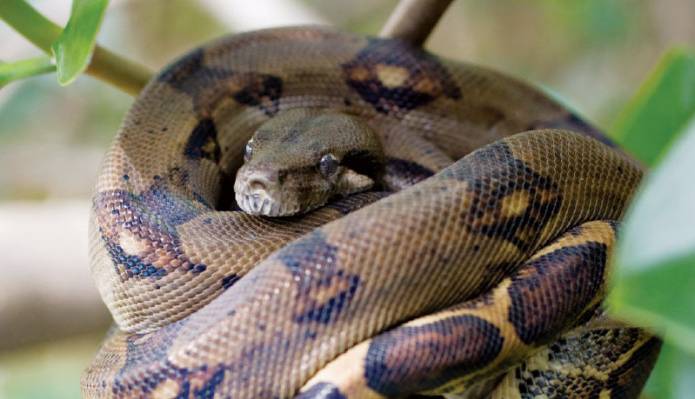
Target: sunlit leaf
[655,259]
[661,109]
[73,49]
[10,71]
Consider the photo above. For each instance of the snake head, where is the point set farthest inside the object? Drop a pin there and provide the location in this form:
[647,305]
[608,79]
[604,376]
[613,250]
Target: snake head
[302,158]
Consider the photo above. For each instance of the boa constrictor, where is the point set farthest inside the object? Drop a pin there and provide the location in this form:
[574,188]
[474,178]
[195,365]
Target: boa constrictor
[474,267]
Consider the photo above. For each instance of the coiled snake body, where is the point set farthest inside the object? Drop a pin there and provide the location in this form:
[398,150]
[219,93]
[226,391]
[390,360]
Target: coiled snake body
[474,265]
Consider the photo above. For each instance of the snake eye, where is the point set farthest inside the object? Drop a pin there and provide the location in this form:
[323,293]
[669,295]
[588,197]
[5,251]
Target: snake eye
[328,165]
[248,151]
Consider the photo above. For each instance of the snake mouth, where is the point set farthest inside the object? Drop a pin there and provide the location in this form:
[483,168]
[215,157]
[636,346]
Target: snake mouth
[263,205]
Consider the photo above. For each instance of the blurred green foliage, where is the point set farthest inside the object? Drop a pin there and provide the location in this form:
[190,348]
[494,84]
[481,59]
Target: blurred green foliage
[46,371]
[664,105]
[609,20]
[655,259]
[673,375]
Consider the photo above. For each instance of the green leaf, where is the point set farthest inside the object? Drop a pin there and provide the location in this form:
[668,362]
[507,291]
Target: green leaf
[74,47]
[655,259]
[10,71]
[672,375]
[660,109]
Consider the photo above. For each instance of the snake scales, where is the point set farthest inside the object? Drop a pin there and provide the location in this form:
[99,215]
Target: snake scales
[474,267]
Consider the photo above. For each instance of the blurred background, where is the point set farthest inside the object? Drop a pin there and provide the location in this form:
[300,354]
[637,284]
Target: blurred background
[591,54]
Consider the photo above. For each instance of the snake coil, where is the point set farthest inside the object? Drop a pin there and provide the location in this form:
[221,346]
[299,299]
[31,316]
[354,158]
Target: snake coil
[482,278]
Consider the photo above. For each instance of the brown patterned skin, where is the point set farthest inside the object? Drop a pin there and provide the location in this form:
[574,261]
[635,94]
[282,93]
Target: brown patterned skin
[441,287]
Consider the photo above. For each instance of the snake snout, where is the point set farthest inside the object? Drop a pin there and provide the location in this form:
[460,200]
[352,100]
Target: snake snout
[259,184]
[257,181]
[258,191]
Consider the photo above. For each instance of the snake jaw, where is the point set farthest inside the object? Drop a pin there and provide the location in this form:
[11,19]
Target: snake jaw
[253,204]
[267,200]
[261,205]
[267,191]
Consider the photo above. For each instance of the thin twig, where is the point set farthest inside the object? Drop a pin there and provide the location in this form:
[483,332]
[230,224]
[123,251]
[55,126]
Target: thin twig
[413,20]
[120,72]
[42,32]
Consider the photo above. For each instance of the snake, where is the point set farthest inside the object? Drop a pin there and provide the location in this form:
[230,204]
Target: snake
[304,212]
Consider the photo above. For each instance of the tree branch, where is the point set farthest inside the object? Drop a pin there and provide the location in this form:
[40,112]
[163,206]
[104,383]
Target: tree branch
[413,20]
[120,72]
[42,32]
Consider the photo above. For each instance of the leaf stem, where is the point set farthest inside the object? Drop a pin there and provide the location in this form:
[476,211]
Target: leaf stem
[42,32]
[23,18]
[413,20]
[118,71]
[23,69]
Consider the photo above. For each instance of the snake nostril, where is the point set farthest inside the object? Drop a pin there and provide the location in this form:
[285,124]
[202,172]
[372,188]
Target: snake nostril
[257,185]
